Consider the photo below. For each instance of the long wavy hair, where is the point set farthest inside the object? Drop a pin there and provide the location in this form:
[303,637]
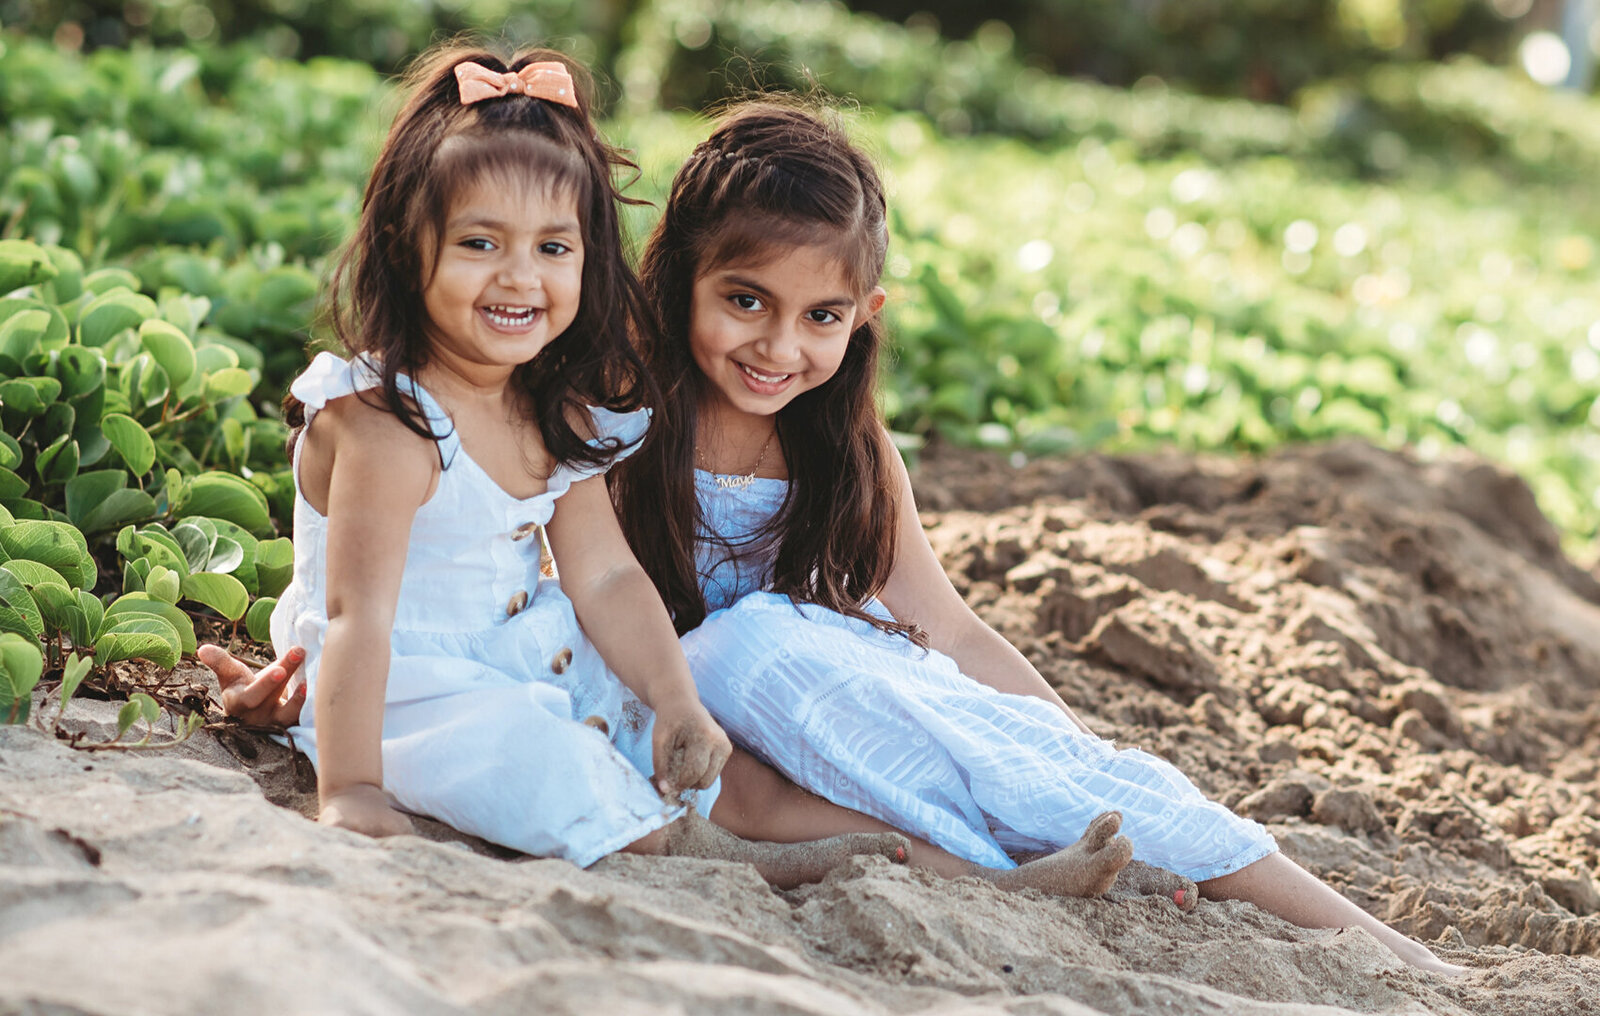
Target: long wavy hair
[436,150]
[771,177]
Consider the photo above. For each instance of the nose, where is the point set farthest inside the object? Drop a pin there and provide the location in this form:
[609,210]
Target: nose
[519,271]
[780,344]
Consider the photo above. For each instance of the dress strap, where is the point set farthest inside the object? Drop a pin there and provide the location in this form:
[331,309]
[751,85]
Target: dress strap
[626,430]
[329,377]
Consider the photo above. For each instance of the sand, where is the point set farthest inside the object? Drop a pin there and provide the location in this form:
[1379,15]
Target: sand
[1389,662]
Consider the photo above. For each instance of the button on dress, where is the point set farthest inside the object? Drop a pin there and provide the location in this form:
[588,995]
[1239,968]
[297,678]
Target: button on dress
[500,717]
[874,723]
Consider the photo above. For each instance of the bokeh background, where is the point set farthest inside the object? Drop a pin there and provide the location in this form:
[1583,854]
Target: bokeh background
[1118,224]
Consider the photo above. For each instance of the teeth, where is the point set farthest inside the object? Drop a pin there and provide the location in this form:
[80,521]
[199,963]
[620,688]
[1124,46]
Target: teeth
[768,378]
[509,317]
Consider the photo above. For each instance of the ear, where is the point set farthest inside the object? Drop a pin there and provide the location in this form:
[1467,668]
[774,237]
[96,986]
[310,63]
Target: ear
[870,306]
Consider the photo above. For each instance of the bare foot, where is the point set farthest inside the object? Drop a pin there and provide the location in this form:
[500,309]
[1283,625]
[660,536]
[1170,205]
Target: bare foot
[1142,879]
[1087,868]
[784,865]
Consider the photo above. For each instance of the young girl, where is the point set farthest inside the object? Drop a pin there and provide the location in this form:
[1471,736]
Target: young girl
[487,300]
[822,631]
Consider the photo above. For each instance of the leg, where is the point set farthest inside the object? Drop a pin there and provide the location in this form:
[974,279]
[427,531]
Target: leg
[760,803]
[1279,886]
[784,865]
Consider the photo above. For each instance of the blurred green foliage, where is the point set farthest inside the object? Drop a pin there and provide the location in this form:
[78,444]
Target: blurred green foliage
[1260,49]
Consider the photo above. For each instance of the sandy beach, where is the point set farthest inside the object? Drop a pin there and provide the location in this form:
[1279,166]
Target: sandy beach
[1389,662]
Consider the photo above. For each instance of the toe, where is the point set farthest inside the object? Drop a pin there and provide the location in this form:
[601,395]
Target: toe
[1104,826]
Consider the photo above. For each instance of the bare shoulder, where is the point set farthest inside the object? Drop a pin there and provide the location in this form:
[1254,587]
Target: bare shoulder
[897,463]
[369,445]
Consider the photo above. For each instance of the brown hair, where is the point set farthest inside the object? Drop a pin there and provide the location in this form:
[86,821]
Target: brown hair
[771,176]
[437,148]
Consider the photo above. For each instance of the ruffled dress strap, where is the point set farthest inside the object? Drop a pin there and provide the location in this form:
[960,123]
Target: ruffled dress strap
[329,377]
[626,430]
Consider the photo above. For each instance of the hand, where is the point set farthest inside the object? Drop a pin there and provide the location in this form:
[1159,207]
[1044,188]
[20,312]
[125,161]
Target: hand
[365,808]
[689,748]
[258,698]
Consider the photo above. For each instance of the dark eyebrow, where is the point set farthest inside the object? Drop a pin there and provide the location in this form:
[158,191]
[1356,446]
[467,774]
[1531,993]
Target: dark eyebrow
[745,282]
[485,222]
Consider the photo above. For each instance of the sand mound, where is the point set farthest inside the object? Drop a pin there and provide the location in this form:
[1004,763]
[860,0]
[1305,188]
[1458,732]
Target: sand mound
[1389,663]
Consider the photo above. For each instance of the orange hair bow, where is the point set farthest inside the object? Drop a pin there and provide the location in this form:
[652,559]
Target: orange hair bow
[548,80]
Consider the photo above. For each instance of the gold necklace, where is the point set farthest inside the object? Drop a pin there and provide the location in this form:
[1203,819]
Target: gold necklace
[738,481]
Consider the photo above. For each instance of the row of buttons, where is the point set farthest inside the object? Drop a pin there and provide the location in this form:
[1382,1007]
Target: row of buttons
[519,600]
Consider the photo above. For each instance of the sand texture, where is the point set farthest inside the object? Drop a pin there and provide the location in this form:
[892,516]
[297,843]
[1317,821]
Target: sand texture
[1390,663]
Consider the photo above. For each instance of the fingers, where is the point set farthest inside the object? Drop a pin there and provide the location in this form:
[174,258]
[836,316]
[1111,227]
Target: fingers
[229,671]
[255,697]
[693,760]
[287,712]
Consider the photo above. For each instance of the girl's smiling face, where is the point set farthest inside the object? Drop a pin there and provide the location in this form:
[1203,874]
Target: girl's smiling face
[508,275]
[763,333]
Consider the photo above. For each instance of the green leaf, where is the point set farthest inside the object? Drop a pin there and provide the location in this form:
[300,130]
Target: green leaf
[21,395]
[120,508]
[226,556]
[93,613]
[32,573]
[57,420]
[170,347]
[132,604]
[235,441]
[11,485]
[15,623]
[10,452]
[14,594]
[131,441]
[73,672]
[274,566]
[152,543]
[222,593]
[227,383]
[23,264]
[139,706]
[59,610]
[59,462]
[245,570]
[197,536]
[144,383]
[214,357]
[68,283]
[21,664]
[258,621]
[105,280]
[22,333]
[111,313]
[225,496]
[56,544]
[163,584]
[87,490]
[138,637]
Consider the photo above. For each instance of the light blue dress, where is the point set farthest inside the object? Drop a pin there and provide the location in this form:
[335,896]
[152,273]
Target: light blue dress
[873,723]
[490,677]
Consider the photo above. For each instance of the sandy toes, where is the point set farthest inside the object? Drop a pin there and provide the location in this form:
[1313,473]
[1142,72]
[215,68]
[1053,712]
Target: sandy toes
[1087,868]
[784,865]
[1143,879]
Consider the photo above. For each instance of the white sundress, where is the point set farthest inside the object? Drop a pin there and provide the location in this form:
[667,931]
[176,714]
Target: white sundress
[876,724]
[485,705]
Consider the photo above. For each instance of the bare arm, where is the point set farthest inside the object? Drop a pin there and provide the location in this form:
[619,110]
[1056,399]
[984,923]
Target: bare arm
[919,591]
[379,474]
[623,616]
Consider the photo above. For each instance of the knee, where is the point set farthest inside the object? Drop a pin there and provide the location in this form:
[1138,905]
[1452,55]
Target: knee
[652,844]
